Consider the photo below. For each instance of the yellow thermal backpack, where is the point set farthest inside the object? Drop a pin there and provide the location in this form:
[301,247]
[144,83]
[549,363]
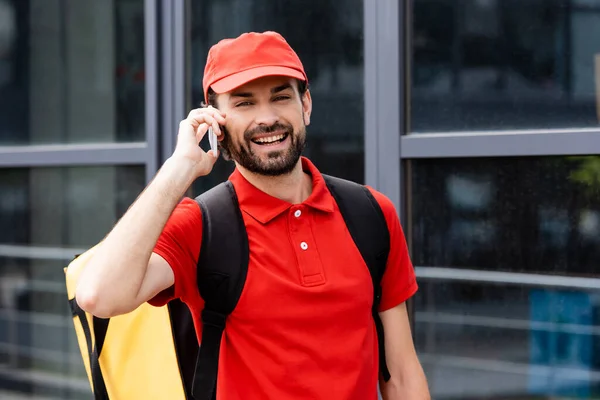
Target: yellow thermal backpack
[153,353]
[131,356]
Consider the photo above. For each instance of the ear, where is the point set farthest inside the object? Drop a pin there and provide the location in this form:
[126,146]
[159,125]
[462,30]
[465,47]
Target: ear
[306,107]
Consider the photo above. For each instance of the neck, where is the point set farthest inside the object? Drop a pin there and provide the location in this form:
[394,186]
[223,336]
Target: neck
[294,187]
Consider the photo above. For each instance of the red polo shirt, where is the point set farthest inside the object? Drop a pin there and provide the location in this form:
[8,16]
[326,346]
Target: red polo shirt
[303,327]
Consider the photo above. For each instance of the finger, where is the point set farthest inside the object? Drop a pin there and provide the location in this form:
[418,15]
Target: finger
[201,131]
[217,129]
[210,159]
[217,112]
[213,112]
[213,155]
[200,117]
[199,120]
[209,109]
[219,121]
[215,125]
[186,128]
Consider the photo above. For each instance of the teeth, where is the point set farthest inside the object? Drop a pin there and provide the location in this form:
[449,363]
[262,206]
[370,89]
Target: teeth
[270,139]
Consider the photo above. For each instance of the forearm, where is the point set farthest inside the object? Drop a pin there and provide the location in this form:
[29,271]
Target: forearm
[112,279]
[408,381]
[409,384]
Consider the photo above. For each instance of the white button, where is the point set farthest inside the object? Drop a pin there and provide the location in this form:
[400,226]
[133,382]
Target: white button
[297,213]
[303,246]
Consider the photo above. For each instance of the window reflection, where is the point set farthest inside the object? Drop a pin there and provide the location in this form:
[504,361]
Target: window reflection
[504,64]
[485,341]
[506,337]
[71,71]
[47,216]
[536,215]
[328,37]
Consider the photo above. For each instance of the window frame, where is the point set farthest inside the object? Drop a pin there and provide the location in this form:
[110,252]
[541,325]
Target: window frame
[460,144]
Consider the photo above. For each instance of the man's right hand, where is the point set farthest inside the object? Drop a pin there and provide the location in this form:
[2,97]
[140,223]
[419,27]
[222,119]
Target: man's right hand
[191,131]
[124,272]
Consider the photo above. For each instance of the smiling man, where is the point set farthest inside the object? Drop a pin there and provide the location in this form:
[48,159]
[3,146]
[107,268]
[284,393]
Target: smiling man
[303,327]
[273,133]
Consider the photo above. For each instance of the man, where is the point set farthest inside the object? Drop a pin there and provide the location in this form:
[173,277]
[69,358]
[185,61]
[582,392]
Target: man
[303,326]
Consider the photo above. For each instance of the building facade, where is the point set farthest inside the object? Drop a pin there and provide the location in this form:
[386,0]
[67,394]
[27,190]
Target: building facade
[478,118]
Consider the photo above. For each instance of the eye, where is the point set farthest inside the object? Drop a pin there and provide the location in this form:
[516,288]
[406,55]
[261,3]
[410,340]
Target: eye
[280,98]
[243,104]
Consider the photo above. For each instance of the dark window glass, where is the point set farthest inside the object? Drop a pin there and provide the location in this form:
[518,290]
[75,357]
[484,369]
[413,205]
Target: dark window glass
[505,64]
[47,216]
[507,337]
[328,37]
[538,215]
[71,71]
[499,342]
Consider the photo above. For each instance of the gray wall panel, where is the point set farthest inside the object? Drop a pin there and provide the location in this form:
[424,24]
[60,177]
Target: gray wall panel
[383,86]
[501,144]
[74,154]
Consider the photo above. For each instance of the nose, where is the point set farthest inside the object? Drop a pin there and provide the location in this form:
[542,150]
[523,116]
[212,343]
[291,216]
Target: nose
[266,115]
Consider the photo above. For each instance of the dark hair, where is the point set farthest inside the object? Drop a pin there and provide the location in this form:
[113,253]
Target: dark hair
[212,96]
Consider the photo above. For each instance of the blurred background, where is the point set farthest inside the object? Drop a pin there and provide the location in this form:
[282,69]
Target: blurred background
[478,118]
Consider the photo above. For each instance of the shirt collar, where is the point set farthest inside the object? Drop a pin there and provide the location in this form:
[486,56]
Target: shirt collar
[264,207]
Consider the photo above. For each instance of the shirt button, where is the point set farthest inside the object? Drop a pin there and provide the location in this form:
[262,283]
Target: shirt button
[303,246]
[297,213]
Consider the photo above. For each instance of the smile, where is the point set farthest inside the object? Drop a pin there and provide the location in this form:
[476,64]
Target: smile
[270,140]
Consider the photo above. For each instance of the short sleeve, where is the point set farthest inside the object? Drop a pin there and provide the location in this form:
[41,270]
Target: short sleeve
[179,244]
[399,281]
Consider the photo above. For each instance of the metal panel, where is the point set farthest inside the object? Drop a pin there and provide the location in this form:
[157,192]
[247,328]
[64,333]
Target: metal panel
[383,87]
[152,82]
[501,277]
[521,324]
[495,366]
[172,61]
[74,154]
[166,76]
[180,61]
[385,23]
[39,252]
[501,143]
[370,89]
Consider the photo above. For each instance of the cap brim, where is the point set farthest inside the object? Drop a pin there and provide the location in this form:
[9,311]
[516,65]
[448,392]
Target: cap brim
[241,78]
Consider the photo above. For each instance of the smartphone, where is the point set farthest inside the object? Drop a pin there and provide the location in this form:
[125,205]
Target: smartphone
[212,139]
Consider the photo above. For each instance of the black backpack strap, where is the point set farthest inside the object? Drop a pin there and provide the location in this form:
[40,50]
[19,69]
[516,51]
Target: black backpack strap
[222,270]
[368,228]
[185,343]
[100,327]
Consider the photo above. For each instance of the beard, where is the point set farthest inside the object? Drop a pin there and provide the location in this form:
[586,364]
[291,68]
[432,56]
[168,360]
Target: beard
[278,162]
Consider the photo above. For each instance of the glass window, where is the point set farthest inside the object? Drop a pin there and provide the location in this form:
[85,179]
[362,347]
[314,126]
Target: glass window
[71,71]
[47,215]
[500,342]
[505,64]
[536,215]
[328,37]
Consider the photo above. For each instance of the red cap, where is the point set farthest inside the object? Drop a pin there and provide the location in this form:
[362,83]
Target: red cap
[232,63]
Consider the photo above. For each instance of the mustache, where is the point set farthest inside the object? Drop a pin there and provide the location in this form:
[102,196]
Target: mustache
[277,126]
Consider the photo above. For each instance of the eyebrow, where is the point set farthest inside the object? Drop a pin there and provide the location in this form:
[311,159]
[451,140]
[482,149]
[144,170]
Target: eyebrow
[241,94]
[281,88]
[277,89]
